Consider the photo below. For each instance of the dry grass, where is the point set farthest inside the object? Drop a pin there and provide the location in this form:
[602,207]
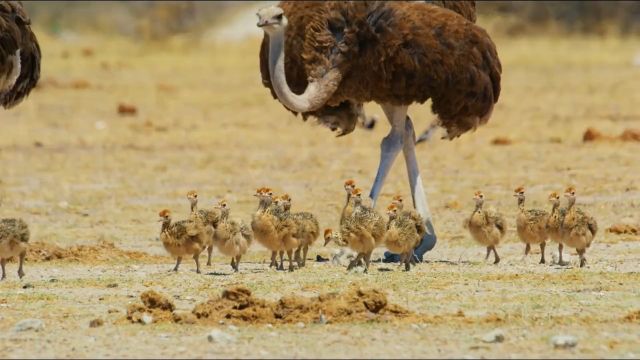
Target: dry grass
[81,173]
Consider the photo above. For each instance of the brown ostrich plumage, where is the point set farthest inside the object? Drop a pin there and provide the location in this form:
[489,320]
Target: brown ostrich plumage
[427,49]
[16,38]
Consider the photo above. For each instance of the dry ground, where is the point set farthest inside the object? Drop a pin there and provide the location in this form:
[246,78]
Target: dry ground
[79,173]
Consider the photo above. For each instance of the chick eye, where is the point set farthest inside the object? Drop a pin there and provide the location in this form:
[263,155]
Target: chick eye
[278,17]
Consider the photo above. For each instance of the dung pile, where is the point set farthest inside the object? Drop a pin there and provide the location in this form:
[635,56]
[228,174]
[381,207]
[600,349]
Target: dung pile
[154,308]
[237,305]
[103,251]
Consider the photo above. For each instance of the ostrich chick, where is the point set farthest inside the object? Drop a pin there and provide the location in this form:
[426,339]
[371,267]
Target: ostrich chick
[487,227]
[404,232]
[208,217]
[273,228]
[363,231]
[14,237]
[232,237]
[349,186]
[579,228]
[182,238]
[531,225]
[554,224]
[307,229]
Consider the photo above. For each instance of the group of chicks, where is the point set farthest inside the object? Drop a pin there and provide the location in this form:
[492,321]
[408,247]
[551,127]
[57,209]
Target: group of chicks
[281,231]
[567,225]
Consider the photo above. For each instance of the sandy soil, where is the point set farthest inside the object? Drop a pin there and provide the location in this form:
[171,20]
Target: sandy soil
[80,174]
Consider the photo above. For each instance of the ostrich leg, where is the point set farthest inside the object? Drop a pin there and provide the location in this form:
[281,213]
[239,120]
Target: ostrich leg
[389,147]
[417,191]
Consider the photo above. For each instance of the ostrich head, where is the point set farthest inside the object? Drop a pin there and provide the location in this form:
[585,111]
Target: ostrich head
[478,197]
[349,186]
[397,201]
[271,19]
[328,236]
[193,197]
[392,211]
[165,215]
[224,207]
[554,198]
[519,193]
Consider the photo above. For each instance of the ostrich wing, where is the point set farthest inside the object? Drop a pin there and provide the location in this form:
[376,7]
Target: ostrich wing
[16,34]
[465,8]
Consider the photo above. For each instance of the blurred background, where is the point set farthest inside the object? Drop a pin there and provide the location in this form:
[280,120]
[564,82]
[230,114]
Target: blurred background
[149,20]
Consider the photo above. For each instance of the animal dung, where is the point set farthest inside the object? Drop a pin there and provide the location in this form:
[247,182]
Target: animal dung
[620,229]
[126,109]
[592,134]
[501,140]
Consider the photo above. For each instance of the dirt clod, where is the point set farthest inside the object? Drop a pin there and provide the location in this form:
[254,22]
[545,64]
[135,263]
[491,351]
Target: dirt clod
[633,316]
[624,229]
[96,323]
[126,109]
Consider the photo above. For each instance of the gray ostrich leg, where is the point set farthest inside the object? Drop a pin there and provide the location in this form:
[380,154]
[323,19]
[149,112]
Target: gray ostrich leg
[418,196]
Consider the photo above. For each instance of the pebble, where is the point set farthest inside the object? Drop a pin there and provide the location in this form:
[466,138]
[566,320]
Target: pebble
[269,326]
[27,286]
[415,326]
[112,285]
[233,328]
[495,336]
[564,341]
[146,319]
[300,324]
[220,337]
[63,204]
[29,324]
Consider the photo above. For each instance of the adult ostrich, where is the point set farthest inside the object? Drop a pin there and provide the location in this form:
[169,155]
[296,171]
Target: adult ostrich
[392,53]
[19,54]
[345,116]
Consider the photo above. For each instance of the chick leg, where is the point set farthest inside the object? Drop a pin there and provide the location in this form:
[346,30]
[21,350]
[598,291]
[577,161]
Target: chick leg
[237,268]
[497,258]
[367,259]
[305,249]
[407,261]
[488,253]
[209,252]
[20,270]
[274,262]
[560,261]
[417,191]
[290,256]
[196,258]
[281,266]
[233,263]
[178,261]
[543,245]
[583,259]
[389,147]
[355,261]
[3,262]
[297,256]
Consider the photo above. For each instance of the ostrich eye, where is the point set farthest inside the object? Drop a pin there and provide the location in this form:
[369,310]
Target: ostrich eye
[278,17]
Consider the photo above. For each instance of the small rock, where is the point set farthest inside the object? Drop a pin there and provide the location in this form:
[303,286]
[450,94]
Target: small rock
[220,337]
[29,324]
[233,328]
[300,324]
[112,285]
[415,326]
[496,336]
[269,326]
[146,319]
[27,286]
[63,204]
[53,280]
[221,322]
[321,259]
[96,323]
[113,311]
[564,341]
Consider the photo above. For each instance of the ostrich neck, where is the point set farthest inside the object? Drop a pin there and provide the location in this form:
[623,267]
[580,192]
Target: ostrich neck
[317,92]
[478,207]
[570,203]
[165,225]
[521,203]
[194,206]
[554,208]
